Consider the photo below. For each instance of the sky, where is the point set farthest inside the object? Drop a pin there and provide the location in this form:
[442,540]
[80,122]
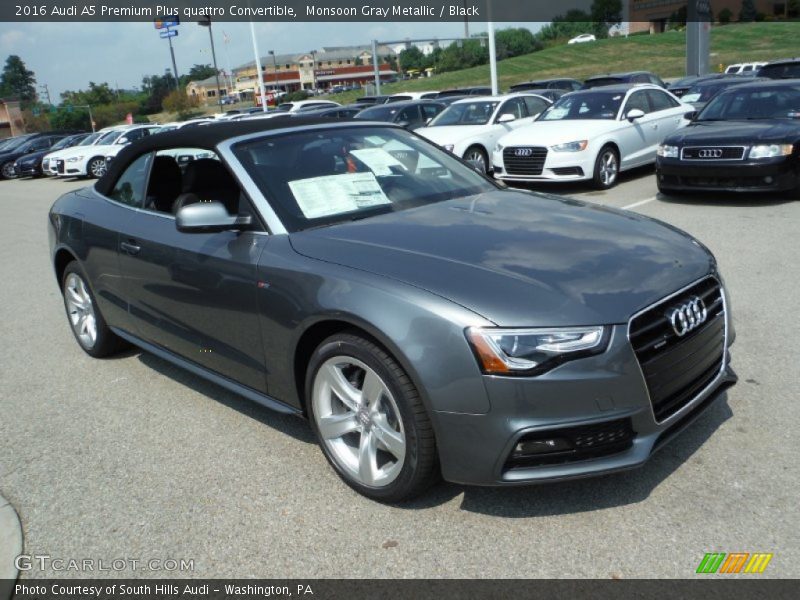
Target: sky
[67,56]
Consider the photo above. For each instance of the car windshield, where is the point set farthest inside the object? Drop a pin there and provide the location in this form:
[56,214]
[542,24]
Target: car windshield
[91,139]
[602,81]
[323,177]
[784,71]
[109,138]
[466,113]
[384,112]
[593,105]
[753,104]
[63,143]
[14,143]
[704,93]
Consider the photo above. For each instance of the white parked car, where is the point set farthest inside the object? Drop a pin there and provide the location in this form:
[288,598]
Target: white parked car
[290,108]
[91,161]
[591,135]
[750,68]
[471,128]
[54,161]
[582,39]
[405,96]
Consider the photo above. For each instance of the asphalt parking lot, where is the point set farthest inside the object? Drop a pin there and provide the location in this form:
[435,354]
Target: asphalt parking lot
[132,458]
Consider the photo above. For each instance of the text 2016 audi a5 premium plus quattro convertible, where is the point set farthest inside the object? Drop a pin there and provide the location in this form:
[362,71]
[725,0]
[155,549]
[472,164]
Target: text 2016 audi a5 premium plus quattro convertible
[426,321]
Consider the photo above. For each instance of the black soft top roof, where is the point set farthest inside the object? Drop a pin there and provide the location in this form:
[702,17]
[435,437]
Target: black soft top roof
[206,137]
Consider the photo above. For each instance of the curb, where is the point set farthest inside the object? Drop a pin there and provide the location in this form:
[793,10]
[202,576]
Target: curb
[10,540]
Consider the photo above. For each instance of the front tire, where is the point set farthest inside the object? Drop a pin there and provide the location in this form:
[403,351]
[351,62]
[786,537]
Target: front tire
[7,170]
[369,419]
[96,167]
[606,168]
[477,157]
[87,323]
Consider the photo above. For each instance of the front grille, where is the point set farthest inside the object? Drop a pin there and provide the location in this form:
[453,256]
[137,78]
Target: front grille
[713,153]
[584,442]
[60,166]
[677,368]
[524,160]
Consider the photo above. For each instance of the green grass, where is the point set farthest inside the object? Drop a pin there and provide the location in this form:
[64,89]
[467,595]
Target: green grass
[663,54]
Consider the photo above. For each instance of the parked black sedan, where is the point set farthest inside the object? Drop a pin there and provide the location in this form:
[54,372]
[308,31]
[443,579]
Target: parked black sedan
[35,143]
[617,78]
[746,139]
[425,320]
[699,94]
[411,115]
[30,165]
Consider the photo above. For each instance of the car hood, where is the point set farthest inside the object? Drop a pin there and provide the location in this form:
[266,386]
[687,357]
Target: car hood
[518,258]
[451,134]
[548,133]
[742,132]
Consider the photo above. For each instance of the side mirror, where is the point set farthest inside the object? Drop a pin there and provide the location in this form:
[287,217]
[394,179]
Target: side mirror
[634,114]
[506,118]
[208,217]
[691,115]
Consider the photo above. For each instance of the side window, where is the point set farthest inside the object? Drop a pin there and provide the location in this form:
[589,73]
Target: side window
[516,107]
[637,100]
[641,78]
[129,188]
[136,134]
[660,101]
[430,110]
[409,115]
[535,105]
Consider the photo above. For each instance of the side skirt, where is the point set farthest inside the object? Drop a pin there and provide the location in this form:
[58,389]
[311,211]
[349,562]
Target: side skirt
[220,380]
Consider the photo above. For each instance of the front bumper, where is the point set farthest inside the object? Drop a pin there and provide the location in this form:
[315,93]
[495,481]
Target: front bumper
[769,175]
[28,169]
[588,394]
[558,166]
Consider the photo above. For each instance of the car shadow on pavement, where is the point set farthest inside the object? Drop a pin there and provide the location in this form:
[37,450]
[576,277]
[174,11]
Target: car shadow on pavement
[743,200]
[589,494]
[570,188]
[288,424]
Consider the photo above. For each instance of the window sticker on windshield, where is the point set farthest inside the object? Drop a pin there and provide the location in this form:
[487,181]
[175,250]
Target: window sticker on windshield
[615,98]
[336,194]
[379,161]
[375,140]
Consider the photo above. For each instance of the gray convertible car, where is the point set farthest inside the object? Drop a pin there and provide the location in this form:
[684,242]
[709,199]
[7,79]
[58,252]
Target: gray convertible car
[427,321]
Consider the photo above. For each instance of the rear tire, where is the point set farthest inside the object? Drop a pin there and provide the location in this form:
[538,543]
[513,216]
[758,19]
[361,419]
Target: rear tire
[369,419]
[87,323]
[606,168]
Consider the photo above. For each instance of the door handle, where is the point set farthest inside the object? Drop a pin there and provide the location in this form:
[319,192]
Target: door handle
[130,247]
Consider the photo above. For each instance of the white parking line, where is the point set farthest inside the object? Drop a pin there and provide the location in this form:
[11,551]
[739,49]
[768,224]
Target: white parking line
[639,203]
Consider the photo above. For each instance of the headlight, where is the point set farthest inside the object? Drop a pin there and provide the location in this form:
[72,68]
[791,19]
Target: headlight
[667,151]
[770,151]
[533,351]
[570,146]
[499,147]
[448,147]
[74,158]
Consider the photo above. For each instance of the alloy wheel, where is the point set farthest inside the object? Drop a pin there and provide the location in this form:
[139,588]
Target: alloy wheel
[8,171]
[359,421]
[475,157]
[608,168]
[80,309]
[97,167]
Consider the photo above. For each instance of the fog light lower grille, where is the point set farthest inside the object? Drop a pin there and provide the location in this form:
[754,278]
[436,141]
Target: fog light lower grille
[571,444]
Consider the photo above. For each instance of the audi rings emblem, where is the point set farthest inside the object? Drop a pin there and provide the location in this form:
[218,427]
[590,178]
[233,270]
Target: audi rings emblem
[687,316]
[710,153]
[523,152]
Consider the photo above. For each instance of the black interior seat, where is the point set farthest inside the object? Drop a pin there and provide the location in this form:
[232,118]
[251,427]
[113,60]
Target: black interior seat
[165,184]
[207,179]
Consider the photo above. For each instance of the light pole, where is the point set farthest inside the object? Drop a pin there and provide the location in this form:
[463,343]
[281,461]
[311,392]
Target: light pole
[206,22]
[275,71]
[259,71]
[314,70]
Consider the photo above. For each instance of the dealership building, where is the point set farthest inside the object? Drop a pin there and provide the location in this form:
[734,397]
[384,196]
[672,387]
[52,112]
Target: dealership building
[11,120]
[321,69]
